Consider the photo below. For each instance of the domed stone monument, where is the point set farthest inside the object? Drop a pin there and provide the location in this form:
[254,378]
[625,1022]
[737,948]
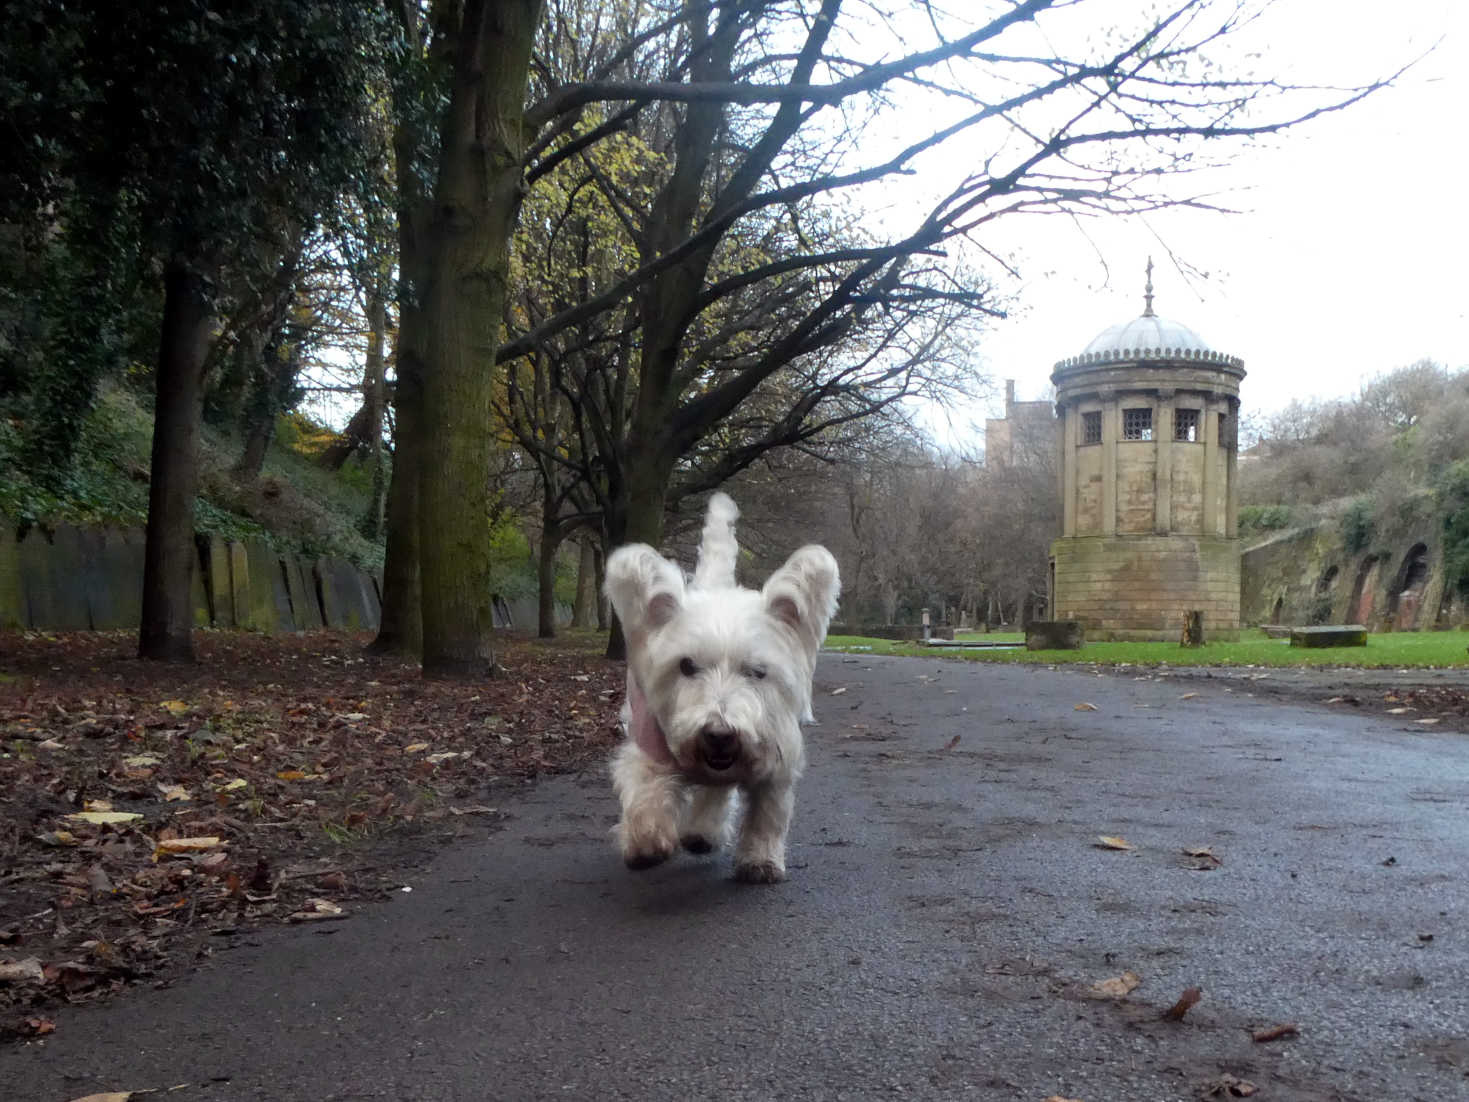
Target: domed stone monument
[1148,417]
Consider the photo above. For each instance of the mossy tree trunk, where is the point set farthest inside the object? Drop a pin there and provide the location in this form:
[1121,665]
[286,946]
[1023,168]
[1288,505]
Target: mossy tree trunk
[167,622]
[476,203]
[584,609]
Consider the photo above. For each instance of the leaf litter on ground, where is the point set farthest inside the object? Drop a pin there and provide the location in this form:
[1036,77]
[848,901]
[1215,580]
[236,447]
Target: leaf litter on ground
[291,751]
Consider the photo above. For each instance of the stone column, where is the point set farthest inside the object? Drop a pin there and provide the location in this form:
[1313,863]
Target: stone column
[1070,421]
[1163,462]
[1210,481]
[1231,478]
[1111,433]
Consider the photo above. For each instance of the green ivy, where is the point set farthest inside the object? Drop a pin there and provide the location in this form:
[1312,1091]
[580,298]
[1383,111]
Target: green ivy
[1453,498]
[1357,526]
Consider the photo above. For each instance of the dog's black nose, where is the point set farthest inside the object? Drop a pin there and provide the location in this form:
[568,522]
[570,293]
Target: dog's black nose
[721,746]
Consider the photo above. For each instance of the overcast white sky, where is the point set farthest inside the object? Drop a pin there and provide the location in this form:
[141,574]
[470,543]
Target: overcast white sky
[1350,253]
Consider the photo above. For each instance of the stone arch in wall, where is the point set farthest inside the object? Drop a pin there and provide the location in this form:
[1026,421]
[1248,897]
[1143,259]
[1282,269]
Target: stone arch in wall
[1277,610]
[1359,608]
[1406,597]
[1328,580]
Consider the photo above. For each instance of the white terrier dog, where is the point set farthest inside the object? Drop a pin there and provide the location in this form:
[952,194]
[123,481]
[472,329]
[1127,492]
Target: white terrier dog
[718,683]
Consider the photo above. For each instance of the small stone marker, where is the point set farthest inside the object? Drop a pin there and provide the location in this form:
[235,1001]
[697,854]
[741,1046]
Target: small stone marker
[1338,635]
[1054,635]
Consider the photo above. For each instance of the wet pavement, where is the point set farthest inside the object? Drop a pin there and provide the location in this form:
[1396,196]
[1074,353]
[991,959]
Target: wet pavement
[946,916]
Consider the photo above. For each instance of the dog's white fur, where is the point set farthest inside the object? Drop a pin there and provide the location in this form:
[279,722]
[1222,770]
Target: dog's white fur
[718,683]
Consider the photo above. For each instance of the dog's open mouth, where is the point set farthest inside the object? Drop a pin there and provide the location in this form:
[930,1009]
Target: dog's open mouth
[721,762]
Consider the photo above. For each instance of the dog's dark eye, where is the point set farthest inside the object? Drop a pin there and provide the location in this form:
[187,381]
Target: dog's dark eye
[687,667]
[755,672]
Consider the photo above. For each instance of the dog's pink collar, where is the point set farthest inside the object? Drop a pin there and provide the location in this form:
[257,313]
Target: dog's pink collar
[643,725]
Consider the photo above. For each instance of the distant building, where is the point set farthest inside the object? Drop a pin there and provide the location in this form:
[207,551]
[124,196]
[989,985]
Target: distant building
[1148,427]
[1009,439]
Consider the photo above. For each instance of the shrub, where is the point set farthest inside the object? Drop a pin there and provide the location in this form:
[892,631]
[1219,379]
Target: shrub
[1357,526]
[1264,518]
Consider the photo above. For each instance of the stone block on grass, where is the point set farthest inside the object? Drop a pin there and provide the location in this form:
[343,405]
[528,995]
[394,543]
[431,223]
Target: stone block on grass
[1054,635]
[1331,635]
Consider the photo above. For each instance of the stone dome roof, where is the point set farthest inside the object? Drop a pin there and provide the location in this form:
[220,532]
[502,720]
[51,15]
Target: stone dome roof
[1146,332]
[1148,338]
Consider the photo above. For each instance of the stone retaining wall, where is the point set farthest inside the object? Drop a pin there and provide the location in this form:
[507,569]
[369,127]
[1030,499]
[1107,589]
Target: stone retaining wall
[71,578]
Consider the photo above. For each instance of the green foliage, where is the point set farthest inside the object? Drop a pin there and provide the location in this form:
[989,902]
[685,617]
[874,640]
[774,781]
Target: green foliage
[297,505]
[1263,518]
[1357,525]
[512,566]
[1453,497]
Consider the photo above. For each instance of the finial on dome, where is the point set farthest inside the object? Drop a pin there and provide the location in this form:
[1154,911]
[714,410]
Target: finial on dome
[1148,292]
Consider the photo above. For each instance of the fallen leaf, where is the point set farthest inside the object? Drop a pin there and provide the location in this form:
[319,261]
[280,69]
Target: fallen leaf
[290,775]
[22,971]
[106,1096]
[1058,1098]
[140,761]
[1335,700]
[1188,696]
[443,756]
[953,742]
[1427,722]
[1111,841]
[1204,858]
[474,809]
[1085,707]
[234,785]
[1400,711]
[1227,1086]
[415,747]
[839,691]
[173,707]
[1117,986]
[1275,1033]
[317,909]
[39,1027]
[174,792]
[1186,1001]
[186,845]
[97,805]
[104,818]
[57,838]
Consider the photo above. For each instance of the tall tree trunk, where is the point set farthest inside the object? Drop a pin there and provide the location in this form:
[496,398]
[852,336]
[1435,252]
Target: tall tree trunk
[374,390]
[476,202]
[602,602]
[167,623]
[546,573]
[401,629]
[583,611]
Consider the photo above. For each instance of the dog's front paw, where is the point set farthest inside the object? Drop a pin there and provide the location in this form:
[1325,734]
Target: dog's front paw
[696,843]
[646,859]
[759,872]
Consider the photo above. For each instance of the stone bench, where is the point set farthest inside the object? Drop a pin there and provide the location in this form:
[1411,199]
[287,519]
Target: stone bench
[1054,635]
[1333,635]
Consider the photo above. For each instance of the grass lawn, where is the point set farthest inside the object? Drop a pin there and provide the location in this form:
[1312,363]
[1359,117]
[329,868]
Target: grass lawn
[1398,650]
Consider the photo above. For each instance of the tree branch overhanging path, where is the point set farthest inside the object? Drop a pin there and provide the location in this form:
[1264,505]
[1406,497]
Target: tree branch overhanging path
[753,120]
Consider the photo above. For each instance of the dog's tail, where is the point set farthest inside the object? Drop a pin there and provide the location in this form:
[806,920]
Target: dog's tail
[718,549]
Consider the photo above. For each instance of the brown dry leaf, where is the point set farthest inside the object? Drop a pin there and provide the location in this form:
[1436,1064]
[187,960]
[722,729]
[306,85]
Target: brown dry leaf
[140,761]
[1400,711]
[1228,1086]
[97,805]
[174,793]
[317,909]
[1275,1032]
[1111,841]
[290,775]
[1117,986]
[39,1027]
[1186,1002]
[415,748]
[171,846]
[22,971]
[1334,700]
[103,818]
[237,783]
[1085,707]
[106,1096]
[1427,722]
[1188,696]
[173,707]
[953,742]
[1204,858]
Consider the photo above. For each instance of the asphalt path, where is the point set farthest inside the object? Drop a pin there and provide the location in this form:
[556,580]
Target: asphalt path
[947,914]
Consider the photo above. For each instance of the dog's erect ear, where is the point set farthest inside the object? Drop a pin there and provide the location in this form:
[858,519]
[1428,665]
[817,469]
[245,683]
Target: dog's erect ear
[803,594]
[645,589]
